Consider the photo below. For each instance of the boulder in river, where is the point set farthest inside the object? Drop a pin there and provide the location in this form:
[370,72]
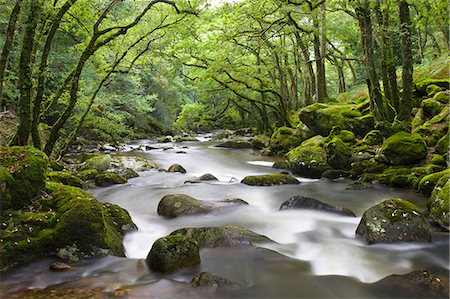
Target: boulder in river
[284,139]
[210,280]
[101,163]
[208,177]
[222,236]
[108,179]
[175,205]
[403,148]
[136,163]
[269,180]
[438,205]
[236,144]
[172,253]
[309,159]
[301,202]
[176,168]
[393,220]
[65,178]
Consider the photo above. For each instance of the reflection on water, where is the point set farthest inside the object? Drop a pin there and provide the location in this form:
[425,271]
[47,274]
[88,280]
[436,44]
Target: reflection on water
[316,254]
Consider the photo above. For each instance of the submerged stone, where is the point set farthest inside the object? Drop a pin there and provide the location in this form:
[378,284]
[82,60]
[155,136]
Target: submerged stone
[302,202]
[210,280]
[269,180]
[393,220]
[173,253]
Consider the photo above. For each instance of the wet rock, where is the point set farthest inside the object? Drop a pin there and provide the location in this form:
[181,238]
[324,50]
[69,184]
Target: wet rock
[269,180]
[406,177]
[23,176]
[180,152]
[59,266]
[108,179]
[359,185]
[101,163]
[333,174]
[428,182]
[88,174]
[438,205]
[437,159]
[284,139]
[222,236]
[416,284]
[172,253]
[393,220]
[208,177]
[442,146]
[65,178]
[176,168]
[237,144]
[403,149]
[301,202]
[165,139]
[129,173]
[210,280]
[136,163]
[260,141]
[193,181]
[338,153]
[222,135]
[175,205]
[150,148]
[236,201]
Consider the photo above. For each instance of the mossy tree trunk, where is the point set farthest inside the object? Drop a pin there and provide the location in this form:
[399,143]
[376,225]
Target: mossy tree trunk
[407,64]
[25,81]
[321,84]
[9,38]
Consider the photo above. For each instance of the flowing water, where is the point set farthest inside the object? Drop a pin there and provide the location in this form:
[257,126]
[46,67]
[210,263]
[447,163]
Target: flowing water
[315,255]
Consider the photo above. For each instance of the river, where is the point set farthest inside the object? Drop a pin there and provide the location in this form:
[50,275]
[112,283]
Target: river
[316,255]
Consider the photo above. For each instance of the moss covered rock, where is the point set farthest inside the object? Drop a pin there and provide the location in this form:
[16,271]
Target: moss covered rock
[210,280]
[208,177]
[284,139]
[65,178]
[432,89]
[108,179]
[437,159]
[421,86]
[237,144]
[442,146]
[403,149]
[88,225]
[269,180]
[370,166]
[431,107]
[406,177]
[428,182]
[308,160]
[373,137]
[174,205]
[222,236]
[176,168]
[172,253]
[260,141]
[434,129]
[419,118]
[28,167]
[393,220]
[56,166]
[136,163]
[301,202]
[101,163]
[438,205]
[338,153]
[442,97]
[88,174]
[6,180]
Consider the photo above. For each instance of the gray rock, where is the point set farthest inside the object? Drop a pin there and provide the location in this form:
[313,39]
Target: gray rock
[301,202]
[208,177]
[175,205]
[176,168]
[210,280]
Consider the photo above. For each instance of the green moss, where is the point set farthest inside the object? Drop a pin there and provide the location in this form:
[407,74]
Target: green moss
[28,166]
[309,161]
[432,89]
[51,186]
[101,163]
[423,85]
[396,208]
[431,106]
[283,139]
[373,137]
[419,118]
[269,180]
[435,128]
[108,179]
[338,153]
[438,204]
[65,178]
[347,136]
[404,149]
[88,174]
[442,97]
[56,166]
[428,182]
[235,144]
[442,146]
[406,177]
[6,180]
[437,159]
[366,166]
[260,141]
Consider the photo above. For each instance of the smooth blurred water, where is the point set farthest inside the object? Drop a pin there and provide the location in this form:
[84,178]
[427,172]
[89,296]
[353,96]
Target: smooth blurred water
[316,254]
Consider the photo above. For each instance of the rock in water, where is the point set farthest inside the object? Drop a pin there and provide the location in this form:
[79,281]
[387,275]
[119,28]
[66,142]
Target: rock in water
[226,235]
[269,180]
[301,202]
[210,280]
[59,267]
[174,205]
[176,168]
[208,177]
[438,204]
[172,253]
[403,149]
[393,220]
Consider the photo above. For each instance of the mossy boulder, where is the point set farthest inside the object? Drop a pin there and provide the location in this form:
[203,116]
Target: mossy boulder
[403,149]
[165,139]
[6,180]
[176,168]
[174,205]
[173,253]
[208,177]
[442,146]
[346,136]
[431,107]
[442,97]
[438,205]
[236,144]
[108,179]
[308,160]
[65,178]
[88,225]
[373,137]
[284,139]
[437,159]
[222,236]
[419,118]
[406,177]
[393,220]
[338,153]
[88,174]
[210,280]
[269,180]
[307,203]
[56,166]
[370,166]
[434,129]
[101,163]
[432,89]
[136,163]
[260,141]
[28,168]
[429,182]
[421,86]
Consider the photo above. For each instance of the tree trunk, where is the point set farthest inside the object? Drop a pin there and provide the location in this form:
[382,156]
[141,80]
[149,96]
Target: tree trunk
[308,98]
[407,64]
[8,46]
[320,63]
[25,83]
[42,69]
